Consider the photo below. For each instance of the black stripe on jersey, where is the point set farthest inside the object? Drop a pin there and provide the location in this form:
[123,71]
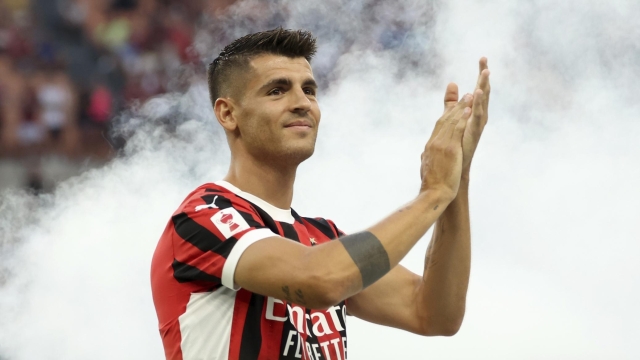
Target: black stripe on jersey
[292,349]
[209,199]
[289,231]
[250,220]
[225,248]
[252,331]
[200,237]
[221,201]
[268,221]
[335,228]
[297,217]
[323,226]
[343,321]
[185,273]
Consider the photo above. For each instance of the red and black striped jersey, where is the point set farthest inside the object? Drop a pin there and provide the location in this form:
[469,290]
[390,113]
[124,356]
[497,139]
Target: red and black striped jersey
[202,314]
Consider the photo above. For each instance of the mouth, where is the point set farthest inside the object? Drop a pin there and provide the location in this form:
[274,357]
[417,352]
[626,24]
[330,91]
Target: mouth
[300,124]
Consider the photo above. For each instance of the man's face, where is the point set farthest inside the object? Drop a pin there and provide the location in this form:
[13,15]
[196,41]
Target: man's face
[278,114]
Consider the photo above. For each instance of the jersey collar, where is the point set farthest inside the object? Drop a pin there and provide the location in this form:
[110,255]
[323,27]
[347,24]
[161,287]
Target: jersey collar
[282,215]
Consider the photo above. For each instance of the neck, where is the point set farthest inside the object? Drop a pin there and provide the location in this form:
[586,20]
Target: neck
[270,183]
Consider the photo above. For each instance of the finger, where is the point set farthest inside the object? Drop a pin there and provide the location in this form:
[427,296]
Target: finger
[464,102]
[485,86]
[483,81]
[483,64]
[450,96]
[461,126]
[448,112]
[478,111]
[452,117]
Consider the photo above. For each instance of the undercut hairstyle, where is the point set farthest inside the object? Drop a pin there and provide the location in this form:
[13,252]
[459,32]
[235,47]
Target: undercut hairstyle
[224,74]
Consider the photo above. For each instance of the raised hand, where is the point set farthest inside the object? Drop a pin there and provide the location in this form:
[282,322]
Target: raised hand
[479,118]
[442,158]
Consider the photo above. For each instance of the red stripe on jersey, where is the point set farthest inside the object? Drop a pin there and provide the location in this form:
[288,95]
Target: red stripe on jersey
[271,330]
[315,233]
[304,236]
[280,230]
[171,340]
[239,317]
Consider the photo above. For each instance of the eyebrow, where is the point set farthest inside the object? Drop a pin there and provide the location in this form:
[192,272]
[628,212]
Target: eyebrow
[287,82]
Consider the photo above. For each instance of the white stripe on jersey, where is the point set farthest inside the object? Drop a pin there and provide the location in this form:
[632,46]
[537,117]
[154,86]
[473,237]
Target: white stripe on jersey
[229,268]
[206,325]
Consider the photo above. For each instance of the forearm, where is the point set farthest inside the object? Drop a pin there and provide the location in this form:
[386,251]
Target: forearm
[354,262]
[400,231]
[447,266]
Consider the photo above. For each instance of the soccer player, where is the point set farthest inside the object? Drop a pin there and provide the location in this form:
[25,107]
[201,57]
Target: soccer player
[238,274]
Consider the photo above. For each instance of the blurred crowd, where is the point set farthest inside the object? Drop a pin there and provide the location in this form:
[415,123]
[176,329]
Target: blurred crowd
[68,67]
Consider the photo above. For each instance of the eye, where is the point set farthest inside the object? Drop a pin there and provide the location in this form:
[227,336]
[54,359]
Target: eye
[276,91]
[310,91]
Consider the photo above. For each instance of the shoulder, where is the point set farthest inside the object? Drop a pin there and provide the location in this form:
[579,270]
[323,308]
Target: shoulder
[214,205]
[212,196]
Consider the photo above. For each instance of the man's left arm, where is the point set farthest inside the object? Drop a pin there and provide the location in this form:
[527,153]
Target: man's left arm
[434,303]
[443,292]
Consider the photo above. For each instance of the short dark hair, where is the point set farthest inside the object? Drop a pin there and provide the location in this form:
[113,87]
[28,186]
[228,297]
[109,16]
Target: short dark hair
[223,71]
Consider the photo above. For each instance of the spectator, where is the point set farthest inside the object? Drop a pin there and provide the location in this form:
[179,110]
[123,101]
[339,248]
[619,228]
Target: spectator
[100,108]
[12,94]
[114,34]
[57,108]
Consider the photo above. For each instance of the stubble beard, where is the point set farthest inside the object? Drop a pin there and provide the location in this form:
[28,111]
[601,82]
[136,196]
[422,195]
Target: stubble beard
[282,154]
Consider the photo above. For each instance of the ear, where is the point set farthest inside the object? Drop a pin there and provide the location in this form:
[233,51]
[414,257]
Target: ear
[225,110]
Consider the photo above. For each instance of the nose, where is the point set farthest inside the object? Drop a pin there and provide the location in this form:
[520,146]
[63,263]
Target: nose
[300,103]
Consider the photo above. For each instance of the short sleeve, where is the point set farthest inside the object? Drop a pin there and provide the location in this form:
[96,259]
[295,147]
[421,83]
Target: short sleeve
[211,233]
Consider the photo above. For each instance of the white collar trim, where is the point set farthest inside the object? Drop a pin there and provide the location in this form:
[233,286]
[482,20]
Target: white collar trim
[282,215]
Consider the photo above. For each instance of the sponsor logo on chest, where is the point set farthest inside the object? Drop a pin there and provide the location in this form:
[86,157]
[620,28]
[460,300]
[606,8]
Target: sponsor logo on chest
[323,330]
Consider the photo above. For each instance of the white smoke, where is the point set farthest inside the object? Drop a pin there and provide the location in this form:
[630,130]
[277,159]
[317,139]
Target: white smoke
[553,193]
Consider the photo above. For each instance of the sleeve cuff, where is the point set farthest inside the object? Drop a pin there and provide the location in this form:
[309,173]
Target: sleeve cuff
[229,268]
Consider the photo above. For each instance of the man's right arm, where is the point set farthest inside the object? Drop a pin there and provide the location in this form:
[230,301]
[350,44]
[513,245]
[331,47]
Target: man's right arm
[324,275]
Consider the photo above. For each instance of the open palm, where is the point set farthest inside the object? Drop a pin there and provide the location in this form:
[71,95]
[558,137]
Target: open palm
[480,114]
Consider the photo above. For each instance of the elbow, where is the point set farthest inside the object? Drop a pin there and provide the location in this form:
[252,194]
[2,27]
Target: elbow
[323,302]
[327,295]
[442,331]
[441,327]
[327,291]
